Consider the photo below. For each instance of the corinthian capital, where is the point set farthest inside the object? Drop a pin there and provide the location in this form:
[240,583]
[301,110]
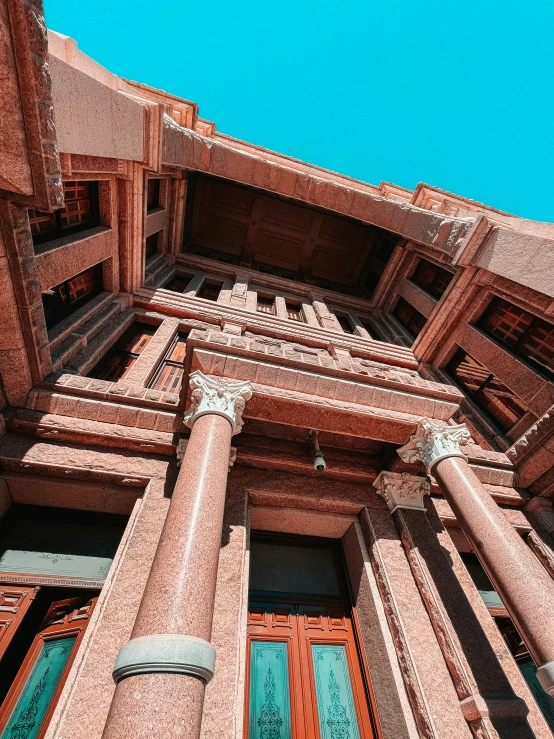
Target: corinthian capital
[401,490]
[220,397]
[433,442]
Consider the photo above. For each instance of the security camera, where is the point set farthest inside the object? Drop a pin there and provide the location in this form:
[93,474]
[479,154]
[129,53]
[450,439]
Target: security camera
[319,462]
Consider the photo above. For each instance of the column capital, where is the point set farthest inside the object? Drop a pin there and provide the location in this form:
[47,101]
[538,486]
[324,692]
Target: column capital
[401,490]
[182,448]
[433,441]
[542,510]
[220,397]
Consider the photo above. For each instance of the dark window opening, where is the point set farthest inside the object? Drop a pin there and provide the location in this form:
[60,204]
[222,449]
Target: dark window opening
[412,320]
[179,283]
[529,337]
[169,375]
[64,299]
[219,256]
[344,323]
[496,400]
[271,269]
[117,362]
[266,304]
[294,311]
[151,245]
[431,278]
[210,291]
[152,195]
[80,212]
[376,262]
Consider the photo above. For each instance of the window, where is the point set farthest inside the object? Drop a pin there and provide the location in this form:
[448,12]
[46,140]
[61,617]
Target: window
[169,374]
[433,279]
[152,195]
[294,310]
[365,323]
[79,213]
[179,283]
[47,557]
[220,256]
[151,245]
[266,304]
[210,290]
[497,401]
[376,262]
[345,324]
[412,320]
[117,362]
[270,269]
[527,336]
[64,299]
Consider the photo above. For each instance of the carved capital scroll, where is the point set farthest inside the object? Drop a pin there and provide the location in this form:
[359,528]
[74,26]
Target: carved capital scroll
[401,490]
[433,441]
[223,398]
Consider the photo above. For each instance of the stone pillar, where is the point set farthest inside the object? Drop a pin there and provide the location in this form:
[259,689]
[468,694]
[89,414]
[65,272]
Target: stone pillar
[524,586]
[162,671]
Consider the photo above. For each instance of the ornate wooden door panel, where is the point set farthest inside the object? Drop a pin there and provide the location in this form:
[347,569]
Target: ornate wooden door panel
[304,675]
[14,604]
[29,704]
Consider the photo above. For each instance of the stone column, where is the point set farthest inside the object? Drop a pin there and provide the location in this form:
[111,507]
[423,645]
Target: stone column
[524,586]
[162,671]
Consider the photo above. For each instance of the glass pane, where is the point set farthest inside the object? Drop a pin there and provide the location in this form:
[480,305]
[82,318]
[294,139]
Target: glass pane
[35,698]
[335,701]
[269,691]
[279,568]
[545,701]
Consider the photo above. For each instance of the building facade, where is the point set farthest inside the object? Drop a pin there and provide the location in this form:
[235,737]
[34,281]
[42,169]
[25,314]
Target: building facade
[277,445]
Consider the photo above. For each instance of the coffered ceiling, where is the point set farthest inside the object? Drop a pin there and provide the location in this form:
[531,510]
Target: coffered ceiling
[254,226]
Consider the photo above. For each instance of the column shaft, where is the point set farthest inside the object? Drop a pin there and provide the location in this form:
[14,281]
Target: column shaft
[523,584]
[179,594]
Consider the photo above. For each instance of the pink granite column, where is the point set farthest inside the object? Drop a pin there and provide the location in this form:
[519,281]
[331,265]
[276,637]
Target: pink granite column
[523,584]
[161,672]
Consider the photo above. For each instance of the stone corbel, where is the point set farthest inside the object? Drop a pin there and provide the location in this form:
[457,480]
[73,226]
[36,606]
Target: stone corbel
[220,397]
[401,490]
[433,441]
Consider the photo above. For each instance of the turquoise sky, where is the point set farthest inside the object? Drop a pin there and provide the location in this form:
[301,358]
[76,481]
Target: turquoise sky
[456,94]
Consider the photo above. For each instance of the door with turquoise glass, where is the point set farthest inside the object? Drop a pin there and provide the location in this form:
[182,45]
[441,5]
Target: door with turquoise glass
[305,680]
[28,707]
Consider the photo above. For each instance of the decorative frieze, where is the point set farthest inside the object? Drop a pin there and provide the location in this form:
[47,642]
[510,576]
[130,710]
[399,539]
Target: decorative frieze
[220,397]
[401,490]
[434,441]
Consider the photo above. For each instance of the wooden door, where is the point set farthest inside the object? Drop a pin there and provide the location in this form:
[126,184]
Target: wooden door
[304,678]
[14,604]
[30,702]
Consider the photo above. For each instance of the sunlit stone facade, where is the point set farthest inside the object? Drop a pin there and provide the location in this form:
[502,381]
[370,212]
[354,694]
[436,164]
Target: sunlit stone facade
[277,445]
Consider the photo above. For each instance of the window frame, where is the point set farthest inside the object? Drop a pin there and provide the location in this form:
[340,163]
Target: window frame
[59,232]
[166,360]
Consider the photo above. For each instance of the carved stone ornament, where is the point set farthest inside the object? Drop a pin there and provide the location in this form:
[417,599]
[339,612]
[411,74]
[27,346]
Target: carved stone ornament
[401,490]
[182,448]
[223,398]
[433,441]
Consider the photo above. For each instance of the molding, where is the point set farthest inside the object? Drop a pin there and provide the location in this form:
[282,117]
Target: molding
[401,490]
[219,397]
[165,653]
[182,448]
[433,441]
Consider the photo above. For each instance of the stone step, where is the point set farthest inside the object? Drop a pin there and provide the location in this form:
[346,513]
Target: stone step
[66,350]
[93,327]
[72,323]
[85,360]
